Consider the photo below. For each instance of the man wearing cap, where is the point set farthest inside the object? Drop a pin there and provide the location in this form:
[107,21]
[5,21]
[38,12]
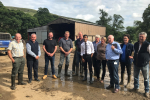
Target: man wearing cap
[16,54]
[94,58]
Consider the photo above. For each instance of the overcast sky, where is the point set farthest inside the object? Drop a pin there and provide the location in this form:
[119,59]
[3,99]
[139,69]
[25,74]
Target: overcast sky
[88,10]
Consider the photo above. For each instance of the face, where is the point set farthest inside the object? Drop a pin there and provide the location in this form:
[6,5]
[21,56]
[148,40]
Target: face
[102,41]
[33,38]
[50,35]
[85,38]
[110,39]
[77,37]
[80,35]
[142,38]
[125,39]
[18,37]
[96,39]
[67,35]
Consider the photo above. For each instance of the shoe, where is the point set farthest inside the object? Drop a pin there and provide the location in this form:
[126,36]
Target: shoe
[122,79]
[13,82]
[134,90]
[54,76]
[20,79]
[91,78]
[59,70]
[109,87]
[44,77]
[37,80]
[29,81]
[116,90]
[147,94]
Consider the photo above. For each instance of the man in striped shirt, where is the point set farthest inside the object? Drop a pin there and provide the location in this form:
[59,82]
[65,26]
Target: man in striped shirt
[16,54]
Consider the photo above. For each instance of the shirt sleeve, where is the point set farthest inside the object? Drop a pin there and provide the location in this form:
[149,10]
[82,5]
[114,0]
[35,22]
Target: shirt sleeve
[39,52]
[82,50]
[44,42]
[10,46]
[92,48]
[29,50]
[118,50]
[148,49]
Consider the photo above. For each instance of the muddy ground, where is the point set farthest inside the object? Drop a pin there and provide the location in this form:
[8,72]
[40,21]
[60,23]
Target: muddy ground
[65,88]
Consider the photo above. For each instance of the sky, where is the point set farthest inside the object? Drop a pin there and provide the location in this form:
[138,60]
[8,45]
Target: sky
[130,10]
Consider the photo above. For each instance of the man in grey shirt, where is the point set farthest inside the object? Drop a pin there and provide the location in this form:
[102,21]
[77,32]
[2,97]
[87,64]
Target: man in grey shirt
[65,46]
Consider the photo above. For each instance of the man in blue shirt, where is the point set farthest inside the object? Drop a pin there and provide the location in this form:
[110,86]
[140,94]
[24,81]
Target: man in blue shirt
[94,58]
[113,51]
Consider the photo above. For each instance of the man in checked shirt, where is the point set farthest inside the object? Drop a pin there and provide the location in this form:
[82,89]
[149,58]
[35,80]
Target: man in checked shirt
[16,54]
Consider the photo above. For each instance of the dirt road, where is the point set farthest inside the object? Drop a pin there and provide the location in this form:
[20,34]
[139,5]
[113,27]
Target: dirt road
[65,88]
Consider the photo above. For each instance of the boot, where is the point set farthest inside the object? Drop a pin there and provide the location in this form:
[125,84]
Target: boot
[20,79]
[66,70]
[122,79]
[85,75]
[129,80]
[91,78]
[13,82]
[59,70]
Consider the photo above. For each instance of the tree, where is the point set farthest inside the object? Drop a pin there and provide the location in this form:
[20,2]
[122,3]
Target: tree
[132,31]
[44,16]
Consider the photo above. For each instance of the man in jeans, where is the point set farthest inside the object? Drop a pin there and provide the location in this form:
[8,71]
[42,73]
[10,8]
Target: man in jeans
[49,47]
[113,51]
[65,45]
[141,62]
[16,54]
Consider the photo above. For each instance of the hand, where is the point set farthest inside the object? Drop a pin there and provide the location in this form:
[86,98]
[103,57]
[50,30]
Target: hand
[66,54]
[13,60]
[130,57]
[112,47]
[91,55]
[37,57]
[48,54]
[51,54]
[83,60]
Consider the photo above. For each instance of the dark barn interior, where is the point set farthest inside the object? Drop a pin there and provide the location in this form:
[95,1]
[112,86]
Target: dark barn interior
[59,30]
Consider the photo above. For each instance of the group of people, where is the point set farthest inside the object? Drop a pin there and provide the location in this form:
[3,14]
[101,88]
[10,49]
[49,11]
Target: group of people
[97,53]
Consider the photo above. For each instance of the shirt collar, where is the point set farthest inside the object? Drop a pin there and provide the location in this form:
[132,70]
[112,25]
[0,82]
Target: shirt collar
[17,42]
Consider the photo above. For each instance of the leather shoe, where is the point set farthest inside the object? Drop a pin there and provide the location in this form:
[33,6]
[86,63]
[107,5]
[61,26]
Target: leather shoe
[29,81]
[37,80]
[109,87]
[116,90]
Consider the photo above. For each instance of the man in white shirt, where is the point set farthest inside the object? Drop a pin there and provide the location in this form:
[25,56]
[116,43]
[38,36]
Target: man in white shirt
[87,51]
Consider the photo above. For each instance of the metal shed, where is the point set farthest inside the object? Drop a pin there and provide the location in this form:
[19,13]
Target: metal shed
[74,26]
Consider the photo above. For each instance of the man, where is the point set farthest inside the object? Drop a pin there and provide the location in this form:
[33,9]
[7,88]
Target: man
[78,54]
[125,61]
[65,46]
[87,51]
[74,58]
[16,54]
[49,47]
[33,53]
[141,62]
[113,51]
[94,58]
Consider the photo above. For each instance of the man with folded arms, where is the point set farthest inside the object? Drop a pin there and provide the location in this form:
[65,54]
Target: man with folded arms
[113,51]
[16,54]
[33,54]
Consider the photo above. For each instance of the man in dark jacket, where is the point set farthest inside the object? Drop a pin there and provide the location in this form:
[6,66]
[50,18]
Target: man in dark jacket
[33,54]
[141,62]
[125,61]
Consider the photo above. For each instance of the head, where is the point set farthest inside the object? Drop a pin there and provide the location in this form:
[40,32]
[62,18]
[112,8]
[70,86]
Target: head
[85,37]
[110,39]
[67,34]
[142,37]
[80,35]
[33,37]
[50,35]
[126,38]
[77,37]
[103,40]
[97,38]
[18,37]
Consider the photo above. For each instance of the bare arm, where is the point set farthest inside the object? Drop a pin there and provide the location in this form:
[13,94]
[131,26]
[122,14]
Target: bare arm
[62,49]
[55,50]
[10,56]
[45,49]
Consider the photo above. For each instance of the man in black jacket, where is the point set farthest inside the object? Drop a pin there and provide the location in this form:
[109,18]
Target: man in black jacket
[141,62]
[125,61]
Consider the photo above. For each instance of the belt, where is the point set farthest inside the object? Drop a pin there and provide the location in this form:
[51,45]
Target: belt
[18,57]
[113,60]
[86,54]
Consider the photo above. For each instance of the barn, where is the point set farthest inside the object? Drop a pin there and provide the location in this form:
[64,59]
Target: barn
[62,24]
